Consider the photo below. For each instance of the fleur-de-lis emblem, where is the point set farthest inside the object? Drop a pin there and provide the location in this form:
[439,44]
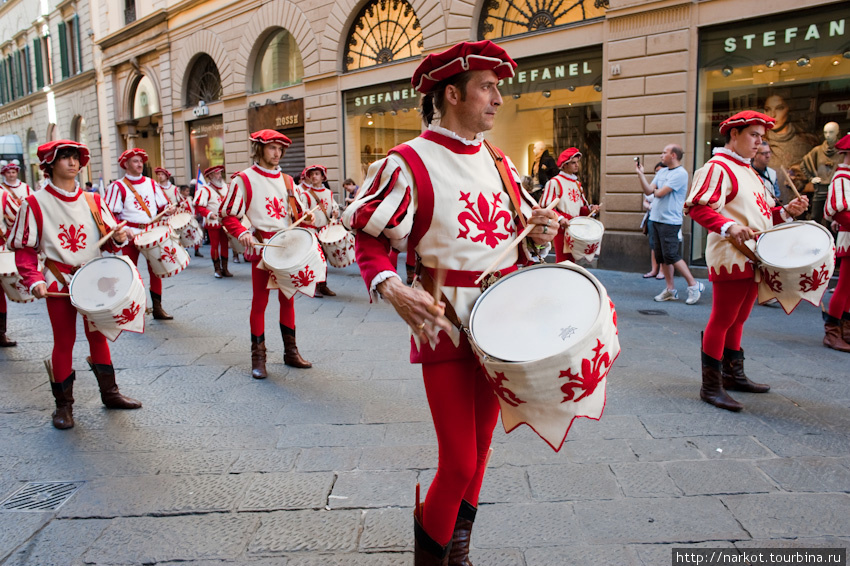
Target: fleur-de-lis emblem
[772,280]
[568,241]
[139,206]
[574,194]
[591,249]
[485,219]
[614,315]
[592,372]
[765,210]
[129,314]
[815,281]
[72,238]
[304,277]
[504,393]
[275,208]
[169,255]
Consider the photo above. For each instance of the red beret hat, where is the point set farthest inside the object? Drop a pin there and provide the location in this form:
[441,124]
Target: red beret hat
[162,170]
[568,154]
[47,152]
[321,168]
[132,152]
[270,136]
[843,145]
[9,167]
[213,169]
[467,56]
[746,118]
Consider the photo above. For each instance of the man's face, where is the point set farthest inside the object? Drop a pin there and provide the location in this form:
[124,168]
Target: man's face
[572,165]
[11,175]
[315,177]
[762,157]
[184,192]
[135,165]
[66,167]
[830,133]
[215,177]
[668,158]
[747,142]
[272,152]
[162,178]
[477,113]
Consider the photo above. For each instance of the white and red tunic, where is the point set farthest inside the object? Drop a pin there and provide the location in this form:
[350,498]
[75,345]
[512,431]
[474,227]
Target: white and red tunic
[464,219]
[171,192]
[124,204]
[11,197]
[324,198]
[60,225]
[208,199]
[838,208]
[568,188]
[725,191]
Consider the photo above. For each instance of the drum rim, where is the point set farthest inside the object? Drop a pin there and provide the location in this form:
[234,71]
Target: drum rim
[168,231]
[301,259]
[587,220]
[786,224]
[76,305]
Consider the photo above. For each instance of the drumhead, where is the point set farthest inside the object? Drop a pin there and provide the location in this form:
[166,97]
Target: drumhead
[151,236]
[535,313]
[797,246]
[179,220]
[290,248]
[7,263]
[332,233]
[102,284]
[586,229]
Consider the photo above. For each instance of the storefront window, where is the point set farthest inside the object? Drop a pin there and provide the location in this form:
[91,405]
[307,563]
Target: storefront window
[503,18]
[794,68]
[206,140]
[384,31]
[279,63]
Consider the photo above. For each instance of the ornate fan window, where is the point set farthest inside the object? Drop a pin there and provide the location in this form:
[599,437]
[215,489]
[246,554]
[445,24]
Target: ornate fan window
[204,82]
[503,18]
[383,31]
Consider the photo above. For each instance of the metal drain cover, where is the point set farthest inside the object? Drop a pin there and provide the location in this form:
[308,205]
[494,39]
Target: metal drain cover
[653,312]
[40,496]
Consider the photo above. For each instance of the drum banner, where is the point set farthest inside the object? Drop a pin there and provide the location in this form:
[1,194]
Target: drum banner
[301,278]
[126,314]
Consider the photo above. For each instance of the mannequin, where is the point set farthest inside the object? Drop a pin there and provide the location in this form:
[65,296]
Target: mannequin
[818,166]
[543,168]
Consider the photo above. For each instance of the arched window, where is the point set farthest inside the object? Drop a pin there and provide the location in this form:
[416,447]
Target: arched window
[278,63]
[145,99]
[204,82]
[383,31]
[503,18]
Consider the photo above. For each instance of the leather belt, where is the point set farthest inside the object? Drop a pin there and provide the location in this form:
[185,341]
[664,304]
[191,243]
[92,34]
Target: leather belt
[460,278]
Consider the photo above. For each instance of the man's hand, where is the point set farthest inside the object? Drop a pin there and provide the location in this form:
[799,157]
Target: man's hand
[120,236]
[546,225]
[740,233]
[128,233]
[417,308]
[594,209]
[639,168]
[247,239]
[798,206]
[835,225]
[40,291]
[817,181]
[170,209]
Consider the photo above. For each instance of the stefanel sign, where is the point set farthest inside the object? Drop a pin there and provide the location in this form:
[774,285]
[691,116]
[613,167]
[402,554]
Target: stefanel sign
[284,115]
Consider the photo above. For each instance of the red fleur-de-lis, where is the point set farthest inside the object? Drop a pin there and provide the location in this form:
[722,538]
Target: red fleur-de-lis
[275,208]
[614,314]
[575,194]
[139,206]
[591,249]
[815,281]
[129,314]
[592,373]
[304,277]
[485,220]
[72,238]
[169,255]
[772,280]
[568,241]
[504,393]
[765,210]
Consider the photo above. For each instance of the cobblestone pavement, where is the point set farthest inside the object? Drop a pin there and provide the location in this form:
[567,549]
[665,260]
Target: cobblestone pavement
[318,466]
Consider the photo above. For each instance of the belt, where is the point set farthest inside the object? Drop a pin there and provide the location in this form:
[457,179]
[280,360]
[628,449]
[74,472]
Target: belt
[138,225]
[459,278]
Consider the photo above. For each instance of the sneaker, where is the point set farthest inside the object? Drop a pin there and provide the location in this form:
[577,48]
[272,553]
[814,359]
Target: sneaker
[694,293]
[668,295]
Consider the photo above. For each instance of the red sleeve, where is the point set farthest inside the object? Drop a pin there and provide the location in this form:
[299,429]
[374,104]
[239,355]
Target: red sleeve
[233,226]
[777,217]
[584,211]
[707,217]
[203,211]
[27,262]
[372,255]
[843,218]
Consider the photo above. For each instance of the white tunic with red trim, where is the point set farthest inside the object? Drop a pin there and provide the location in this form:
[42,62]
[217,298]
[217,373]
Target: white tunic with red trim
[262,196]
[208,200]
[567,188]
[838,207]
[11,197]
[323,196]
[125,206]
[172,193]
[60,225]
[729,186]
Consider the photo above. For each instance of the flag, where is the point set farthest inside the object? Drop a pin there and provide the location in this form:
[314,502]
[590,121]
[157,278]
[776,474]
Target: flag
[200,182]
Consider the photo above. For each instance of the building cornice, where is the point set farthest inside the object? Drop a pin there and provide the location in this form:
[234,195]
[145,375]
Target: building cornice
[128,32]
[73,83]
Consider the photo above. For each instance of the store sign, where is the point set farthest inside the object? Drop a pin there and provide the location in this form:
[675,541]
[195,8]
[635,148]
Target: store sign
[566,70]
[16,113]
[398,96]
[284,115]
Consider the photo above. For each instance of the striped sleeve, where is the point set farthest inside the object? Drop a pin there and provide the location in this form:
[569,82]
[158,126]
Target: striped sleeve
[115,195]
[709,188]
[234,202]
[385,203]
[838,198]
[9,209]
[202,198]
[25,232]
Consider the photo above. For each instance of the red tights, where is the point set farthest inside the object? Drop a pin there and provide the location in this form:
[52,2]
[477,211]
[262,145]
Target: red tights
[465,411]
[260,299]
[840,301]
[558,242]
[3,306]
[132,252]
[63,319]
[732,302]
[218,242]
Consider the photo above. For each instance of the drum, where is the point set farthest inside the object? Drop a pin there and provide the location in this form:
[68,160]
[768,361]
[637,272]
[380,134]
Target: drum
[546,358]
[234,242]
[295,260]
[109,293]
[185,228]
[584,238]
[338,245]
[162,250]
[796,260]
[10,279]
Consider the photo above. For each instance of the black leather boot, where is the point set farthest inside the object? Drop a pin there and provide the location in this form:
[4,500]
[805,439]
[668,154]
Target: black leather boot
[459,551]
[158,312]
[224,271]
[4,341]
[63,393]
[258,356]
[109,394]
[712,391]
[427,551]
[291,357]
[734,378]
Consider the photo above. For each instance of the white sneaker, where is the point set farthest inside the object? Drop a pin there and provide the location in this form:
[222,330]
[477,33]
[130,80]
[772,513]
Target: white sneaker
[694,293]
[668,295]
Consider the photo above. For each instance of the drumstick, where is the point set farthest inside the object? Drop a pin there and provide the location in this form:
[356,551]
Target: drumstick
[774,228]
[265,245]
[513,244]
[109,234]
[52,294]
[595,212]
[790,182]
[157,217]
[300,220]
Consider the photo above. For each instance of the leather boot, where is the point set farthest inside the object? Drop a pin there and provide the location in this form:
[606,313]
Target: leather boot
[712,391]
[109,394]
[734,378]
[63,393]
[158,312]
[217,266]
[323,289]
[832,334]
[845,327]
[4,341]
[198,253]
[459,551]
[224,271]
[258,356]
[411,273]
[427,551]
[291,357]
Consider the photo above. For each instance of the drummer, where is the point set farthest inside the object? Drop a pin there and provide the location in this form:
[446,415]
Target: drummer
[730,201]
[169,189]
[315,193]
[573,202]
[432,193]
[837,210]
[267,196]
[41,228]
[137,200]
[208,199]
[12,192]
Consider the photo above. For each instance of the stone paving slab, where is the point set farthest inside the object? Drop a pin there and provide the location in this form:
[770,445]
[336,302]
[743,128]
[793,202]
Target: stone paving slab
[296,531]
[785,515]
[59,543]
[267,492]
[16,528]
[367,489]
[718,477]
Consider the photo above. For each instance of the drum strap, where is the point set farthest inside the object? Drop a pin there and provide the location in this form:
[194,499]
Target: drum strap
[54,267]
[15,199]
[507,181]
[428,284]
[748,253]
[139,199]
[321,205]
[95,212]
[293,202]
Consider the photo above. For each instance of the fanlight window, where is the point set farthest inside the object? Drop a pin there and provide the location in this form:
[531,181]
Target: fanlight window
[204,82]
[503,18]
[384,31]
[145,100]
[279,63]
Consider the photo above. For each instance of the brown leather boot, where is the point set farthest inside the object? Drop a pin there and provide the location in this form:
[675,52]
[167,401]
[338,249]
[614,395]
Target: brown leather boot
[224,271]
[734,378]
[109,393]
[323,289]
[845,327]
[291,357]
[158,312]
[459,549]
[63,393]
[427,551]
[411,273]
[4,341]
[833,335]
[258,356]
[712,391]
[217,266]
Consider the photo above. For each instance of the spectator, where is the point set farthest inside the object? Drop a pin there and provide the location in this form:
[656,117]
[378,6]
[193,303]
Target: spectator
[647,206]
[765,173]
[351,190]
